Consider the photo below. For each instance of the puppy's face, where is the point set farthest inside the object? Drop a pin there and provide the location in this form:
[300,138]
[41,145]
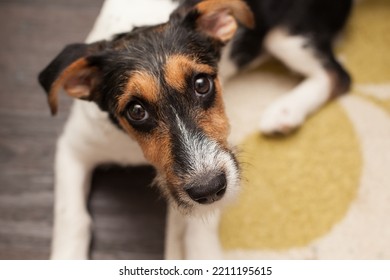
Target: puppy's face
[160,85]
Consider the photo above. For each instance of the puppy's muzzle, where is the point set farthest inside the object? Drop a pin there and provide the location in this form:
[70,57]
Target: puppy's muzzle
[208,190]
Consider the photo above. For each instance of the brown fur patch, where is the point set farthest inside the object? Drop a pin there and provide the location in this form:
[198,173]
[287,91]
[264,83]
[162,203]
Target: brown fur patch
[214,122]
[140,84]
[161,27]
[237,8]
[156,148]
[177,68]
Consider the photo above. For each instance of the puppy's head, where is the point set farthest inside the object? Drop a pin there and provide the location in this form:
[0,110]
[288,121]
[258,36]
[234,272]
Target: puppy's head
[160,85]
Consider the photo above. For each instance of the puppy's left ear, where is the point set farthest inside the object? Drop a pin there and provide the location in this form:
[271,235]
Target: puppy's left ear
[219,18]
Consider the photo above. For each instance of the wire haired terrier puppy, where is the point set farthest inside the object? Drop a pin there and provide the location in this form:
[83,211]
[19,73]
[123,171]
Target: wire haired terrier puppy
[156,97]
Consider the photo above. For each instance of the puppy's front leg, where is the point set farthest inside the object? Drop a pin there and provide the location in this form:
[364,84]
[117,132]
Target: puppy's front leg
[71,233]
[201,238]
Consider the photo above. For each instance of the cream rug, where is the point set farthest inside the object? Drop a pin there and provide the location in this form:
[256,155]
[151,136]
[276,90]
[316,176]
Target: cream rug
[323,192]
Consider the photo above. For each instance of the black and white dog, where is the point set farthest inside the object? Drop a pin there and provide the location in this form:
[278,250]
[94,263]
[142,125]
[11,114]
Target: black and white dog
[157,98]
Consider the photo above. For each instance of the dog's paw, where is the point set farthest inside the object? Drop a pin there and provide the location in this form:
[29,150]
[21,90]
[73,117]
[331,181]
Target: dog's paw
[282,117]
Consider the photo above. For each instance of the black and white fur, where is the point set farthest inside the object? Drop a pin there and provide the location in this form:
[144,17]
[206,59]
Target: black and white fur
[297,32]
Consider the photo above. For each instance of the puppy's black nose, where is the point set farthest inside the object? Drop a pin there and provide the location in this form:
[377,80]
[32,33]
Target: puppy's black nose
[208,191]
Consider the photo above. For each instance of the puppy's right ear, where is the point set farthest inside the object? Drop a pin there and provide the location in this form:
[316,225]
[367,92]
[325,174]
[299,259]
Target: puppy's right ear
[72,71]
[218,19]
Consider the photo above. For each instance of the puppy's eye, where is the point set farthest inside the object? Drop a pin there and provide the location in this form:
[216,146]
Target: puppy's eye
[203,84]
[136,112]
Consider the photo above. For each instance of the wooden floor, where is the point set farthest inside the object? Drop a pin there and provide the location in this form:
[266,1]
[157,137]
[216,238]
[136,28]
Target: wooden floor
[129,216]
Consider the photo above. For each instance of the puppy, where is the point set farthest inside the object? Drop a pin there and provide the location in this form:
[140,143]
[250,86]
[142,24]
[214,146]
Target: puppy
[156,97]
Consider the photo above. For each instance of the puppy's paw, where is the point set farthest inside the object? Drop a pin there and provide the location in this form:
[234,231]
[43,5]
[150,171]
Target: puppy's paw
[282,117]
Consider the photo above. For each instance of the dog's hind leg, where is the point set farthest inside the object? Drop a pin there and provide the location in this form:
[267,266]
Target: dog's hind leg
[324,78]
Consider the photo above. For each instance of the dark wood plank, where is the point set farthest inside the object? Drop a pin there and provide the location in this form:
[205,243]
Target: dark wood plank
[129,214]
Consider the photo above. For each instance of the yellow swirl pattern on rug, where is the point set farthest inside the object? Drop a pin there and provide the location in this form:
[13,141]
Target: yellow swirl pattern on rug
[289,192]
